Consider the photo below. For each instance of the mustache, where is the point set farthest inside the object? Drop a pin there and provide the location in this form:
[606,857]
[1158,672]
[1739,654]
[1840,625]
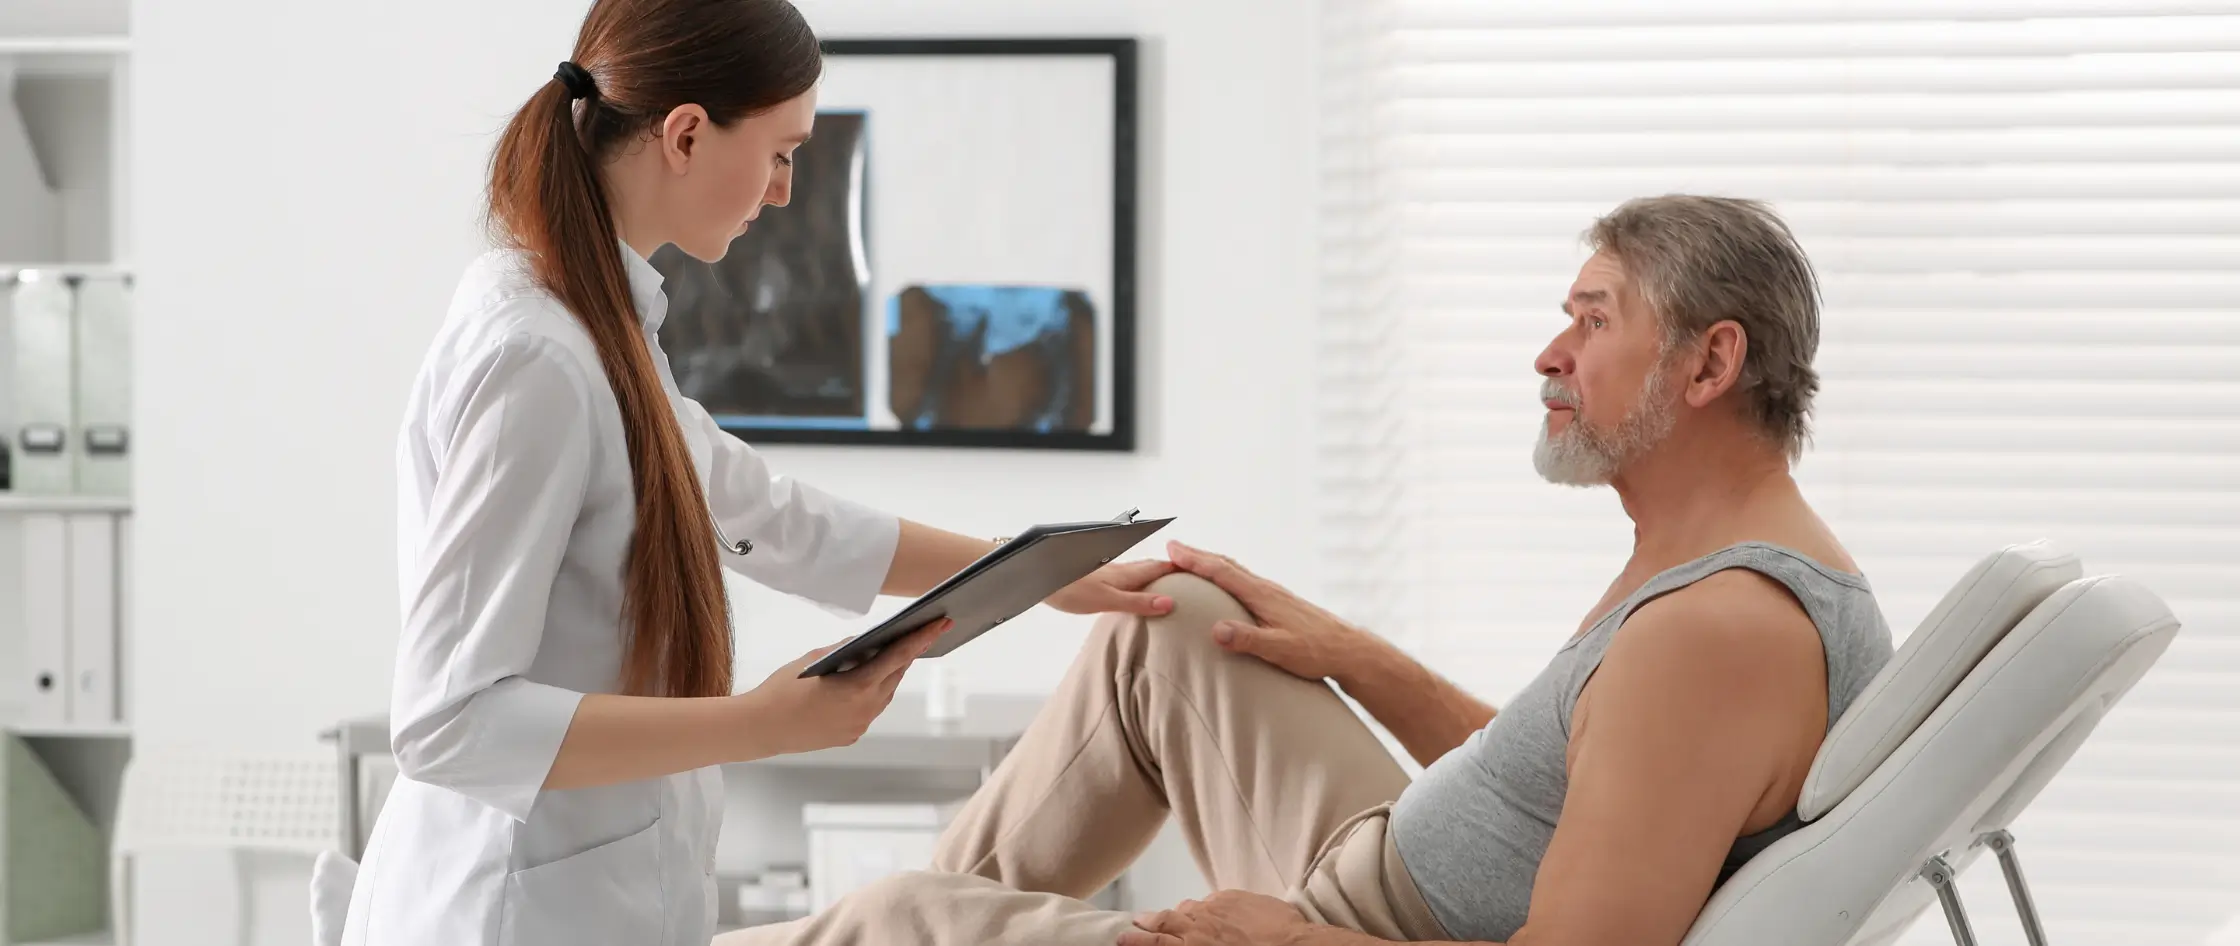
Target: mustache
[1551,391]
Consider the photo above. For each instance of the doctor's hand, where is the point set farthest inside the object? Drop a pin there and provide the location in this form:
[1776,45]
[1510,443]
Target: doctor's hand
[1116,588]
[1287,630]
[789,713]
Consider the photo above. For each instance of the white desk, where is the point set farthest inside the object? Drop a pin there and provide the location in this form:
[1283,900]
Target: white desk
[902,738]
[902,742]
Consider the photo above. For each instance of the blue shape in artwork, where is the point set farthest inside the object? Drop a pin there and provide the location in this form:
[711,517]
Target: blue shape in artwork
[736,421]
[1016,316]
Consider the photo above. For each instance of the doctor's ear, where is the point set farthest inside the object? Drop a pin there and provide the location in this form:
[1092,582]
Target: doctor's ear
[680,134]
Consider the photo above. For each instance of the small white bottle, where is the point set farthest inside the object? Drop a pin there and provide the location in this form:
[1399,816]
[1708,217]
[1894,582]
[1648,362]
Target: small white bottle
[944,697]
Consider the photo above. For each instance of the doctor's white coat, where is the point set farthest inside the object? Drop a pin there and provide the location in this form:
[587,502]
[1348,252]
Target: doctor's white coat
[515,512]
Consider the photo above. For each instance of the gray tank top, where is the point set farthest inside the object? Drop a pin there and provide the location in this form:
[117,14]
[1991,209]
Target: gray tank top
[1473,827]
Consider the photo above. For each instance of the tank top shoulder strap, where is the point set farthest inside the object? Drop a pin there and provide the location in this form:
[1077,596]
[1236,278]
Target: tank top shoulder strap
[1794,571]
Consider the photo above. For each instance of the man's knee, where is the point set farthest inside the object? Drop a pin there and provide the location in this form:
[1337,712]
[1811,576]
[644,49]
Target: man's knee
[1198,605]
[1197,602]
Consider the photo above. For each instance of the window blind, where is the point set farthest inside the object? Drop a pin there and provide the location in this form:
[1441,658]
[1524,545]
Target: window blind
[2026,218]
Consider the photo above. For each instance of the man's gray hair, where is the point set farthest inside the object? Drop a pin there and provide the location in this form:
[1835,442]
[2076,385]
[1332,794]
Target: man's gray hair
[1699,261]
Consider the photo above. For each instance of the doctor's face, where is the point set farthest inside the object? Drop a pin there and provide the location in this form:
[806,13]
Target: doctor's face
[732,173]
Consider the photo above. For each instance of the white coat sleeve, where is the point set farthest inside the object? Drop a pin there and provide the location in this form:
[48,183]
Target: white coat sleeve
[807,542]
[512,476]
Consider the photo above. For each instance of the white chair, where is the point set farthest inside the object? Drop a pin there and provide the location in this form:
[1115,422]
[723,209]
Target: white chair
[364,770]
[239,804]
[1972,717]
[2229,933]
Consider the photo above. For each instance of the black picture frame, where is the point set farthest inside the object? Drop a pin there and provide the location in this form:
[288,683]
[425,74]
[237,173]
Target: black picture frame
[1121,436]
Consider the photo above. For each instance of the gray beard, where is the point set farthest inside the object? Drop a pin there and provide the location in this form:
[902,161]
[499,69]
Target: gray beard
[1585,455]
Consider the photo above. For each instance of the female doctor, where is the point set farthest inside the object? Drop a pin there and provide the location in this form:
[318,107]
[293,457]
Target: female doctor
[563,687]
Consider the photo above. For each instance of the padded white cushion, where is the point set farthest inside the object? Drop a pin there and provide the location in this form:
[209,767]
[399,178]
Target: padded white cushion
[1988,601]
[1851,877]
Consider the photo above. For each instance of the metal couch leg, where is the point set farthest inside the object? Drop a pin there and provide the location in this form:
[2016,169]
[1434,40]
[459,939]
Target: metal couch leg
[1940,875]
[2001,843]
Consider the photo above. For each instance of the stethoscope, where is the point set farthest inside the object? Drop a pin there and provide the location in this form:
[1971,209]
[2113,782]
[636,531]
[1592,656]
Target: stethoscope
[740,547]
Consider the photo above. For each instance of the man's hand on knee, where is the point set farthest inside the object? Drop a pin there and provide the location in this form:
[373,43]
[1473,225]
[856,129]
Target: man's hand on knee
[1428,714]
[1287,631]
[1227,918]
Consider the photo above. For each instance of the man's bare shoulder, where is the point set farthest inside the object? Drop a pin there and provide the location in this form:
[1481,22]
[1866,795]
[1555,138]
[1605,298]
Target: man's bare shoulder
[1727,629]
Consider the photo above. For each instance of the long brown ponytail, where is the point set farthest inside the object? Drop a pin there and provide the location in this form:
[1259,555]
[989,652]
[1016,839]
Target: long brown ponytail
[646,57]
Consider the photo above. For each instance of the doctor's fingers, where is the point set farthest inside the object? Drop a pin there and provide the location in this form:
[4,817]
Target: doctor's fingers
[890,684]
[1133,576]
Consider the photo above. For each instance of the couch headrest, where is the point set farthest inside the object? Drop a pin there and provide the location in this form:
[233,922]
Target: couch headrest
[1986,603]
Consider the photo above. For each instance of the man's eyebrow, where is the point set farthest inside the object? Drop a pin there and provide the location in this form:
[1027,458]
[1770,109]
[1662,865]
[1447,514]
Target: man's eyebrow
[1594,297]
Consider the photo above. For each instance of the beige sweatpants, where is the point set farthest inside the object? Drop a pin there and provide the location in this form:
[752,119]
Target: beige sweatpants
[1279,788]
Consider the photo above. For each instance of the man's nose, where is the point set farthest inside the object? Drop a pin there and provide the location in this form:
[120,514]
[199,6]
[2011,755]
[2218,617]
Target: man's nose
[1555,361]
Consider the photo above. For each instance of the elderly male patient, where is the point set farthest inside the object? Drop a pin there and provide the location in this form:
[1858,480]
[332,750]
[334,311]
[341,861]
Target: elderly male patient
[1662,746]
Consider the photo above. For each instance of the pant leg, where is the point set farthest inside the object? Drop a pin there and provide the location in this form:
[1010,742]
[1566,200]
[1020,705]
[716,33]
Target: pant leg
[927,908]
[1261,766]
[1357,882]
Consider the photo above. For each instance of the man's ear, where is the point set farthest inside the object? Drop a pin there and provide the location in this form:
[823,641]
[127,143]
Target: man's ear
[1718,366]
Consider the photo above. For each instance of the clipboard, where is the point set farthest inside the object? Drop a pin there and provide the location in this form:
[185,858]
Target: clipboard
[1018,575]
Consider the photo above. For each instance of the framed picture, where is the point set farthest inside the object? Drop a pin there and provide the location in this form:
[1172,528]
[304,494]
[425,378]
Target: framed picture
[956,264]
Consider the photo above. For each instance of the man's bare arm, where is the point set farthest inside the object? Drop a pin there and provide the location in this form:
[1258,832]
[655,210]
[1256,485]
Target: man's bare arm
[1704,715]
[1335,936]
[1429,715]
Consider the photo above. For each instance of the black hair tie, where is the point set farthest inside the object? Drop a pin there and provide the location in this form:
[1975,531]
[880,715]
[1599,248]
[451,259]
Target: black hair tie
[577,80]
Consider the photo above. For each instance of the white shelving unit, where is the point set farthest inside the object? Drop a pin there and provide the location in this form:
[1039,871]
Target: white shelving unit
[87,939]
[70,730]
[66,46]
[64,77]
[11,503]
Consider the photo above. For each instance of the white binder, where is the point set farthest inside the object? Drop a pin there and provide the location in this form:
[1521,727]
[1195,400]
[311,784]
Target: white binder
[40,437]
[46,616]
[104,384]
[7,390]
[124,618]
[93,619]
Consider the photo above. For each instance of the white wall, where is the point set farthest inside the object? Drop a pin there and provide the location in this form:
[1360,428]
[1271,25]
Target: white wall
[306,182]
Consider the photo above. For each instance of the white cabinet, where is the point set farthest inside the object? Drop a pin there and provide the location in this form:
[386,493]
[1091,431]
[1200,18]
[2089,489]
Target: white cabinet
[854,845]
